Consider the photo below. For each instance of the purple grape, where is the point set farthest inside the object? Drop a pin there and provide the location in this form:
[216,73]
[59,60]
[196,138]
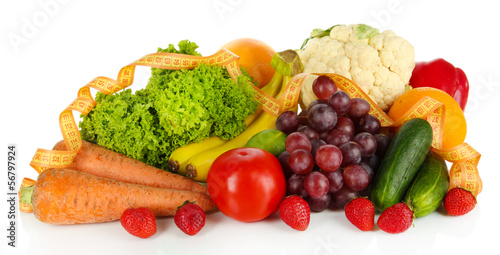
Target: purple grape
[346,125]
[324,134]
[341,102]
[356,177]
[343,196]
[373,161]
[351,153]
[335,180]
[337,137]
[287,122]
[369,123]
[316,184]
[309,132]
[383,142]
[315,144]
[301,161]
[316,102]
[319,204]
[323,87]
[295,185]
[283,159]
[322,117]
[359,107]
[328,158]
[367,142]
[369,170]
[297,140]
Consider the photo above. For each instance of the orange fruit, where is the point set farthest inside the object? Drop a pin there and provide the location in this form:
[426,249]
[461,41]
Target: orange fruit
[455,127]
[255,57]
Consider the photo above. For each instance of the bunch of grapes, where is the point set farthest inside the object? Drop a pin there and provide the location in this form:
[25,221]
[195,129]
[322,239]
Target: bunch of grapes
[333,147]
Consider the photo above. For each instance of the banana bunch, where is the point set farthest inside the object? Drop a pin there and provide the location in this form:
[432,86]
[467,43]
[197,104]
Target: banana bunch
[194,160]
[180,157]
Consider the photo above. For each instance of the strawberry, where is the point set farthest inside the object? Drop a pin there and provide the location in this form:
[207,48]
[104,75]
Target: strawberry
[361,213]
[459,201]
[395,219]
[140,222]
[295,212]
[190,218]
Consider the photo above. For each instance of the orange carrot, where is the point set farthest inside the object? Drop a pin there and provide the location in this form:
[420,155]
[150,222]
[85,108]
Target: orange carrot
[99,161]
[65,196]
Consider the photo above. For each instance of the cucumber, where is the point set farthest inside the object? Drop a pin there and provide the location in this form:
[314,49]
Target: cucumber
[427,190]
[400,164]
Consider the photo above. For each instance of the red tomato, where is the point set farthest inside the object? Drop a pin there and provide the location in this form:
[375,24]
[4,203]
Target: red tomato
[246,184]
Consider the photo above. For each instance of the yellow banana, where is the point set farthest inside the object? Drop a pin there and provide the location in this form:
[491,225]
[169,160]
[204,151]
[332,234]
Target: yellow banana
[274,85]
[179,158]
[199,165]
[272,89]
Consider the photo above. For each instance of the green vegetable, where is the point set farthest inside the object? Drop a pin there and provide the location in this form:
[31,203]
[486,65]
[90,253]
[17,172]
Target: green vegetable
[177,107]
[401,162]
[429,187]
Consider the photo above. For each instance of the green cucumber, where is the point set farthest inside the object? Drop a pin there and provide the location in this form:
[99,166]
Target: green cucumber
[400,164]
[427,190]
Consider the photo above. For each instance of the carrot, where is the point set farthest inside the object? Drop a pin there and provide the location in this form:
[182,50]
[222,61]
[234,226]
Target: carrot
[65,196]
[100,161]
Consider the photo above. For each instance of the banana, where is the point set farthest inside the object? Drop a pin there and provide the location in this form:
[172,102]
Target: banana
[179,158]
[198,166]
[272,89]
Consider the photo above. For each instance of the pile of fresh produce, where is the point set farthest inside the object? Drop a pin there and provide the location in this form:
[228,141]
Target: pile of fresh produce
[347,123]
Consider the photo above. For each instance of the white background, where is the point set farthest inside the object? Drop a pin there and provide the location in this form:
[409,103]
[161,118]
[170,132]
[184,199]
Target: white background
[61,46]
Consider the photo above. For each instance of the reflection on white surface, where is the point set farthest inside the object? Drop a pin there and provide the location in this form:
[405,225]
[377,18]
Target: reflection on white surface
[329,233]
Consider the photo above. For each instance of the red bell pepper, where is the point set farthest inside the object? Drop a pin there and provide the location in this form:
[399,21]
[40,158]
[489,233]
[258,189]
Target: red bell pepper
[442,75]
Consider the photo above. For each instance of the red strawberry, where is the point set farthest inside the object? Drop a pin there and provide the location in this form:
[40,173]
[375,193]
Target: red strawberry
[139,222]
[295,212]
[459,201]
[396,219]
[361,213]
[190,218]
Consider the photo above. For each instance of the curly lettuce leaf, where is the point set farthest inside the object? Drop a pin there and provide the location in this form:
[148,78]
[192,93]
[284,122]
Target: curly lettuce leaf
[177,107]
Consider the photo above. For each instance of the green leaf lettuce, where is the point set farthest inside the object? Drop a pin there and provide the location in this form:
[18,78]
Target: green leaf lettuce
[177,107]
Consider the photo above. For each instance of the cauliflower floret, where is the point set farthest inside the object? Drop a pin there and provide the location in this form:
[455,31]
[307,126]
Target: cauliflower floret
[379,63]
[341,34]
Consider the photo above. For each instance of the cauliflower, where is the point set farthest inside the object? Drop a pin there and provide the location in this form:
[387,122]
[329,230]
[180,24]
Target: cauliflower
[380,63]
